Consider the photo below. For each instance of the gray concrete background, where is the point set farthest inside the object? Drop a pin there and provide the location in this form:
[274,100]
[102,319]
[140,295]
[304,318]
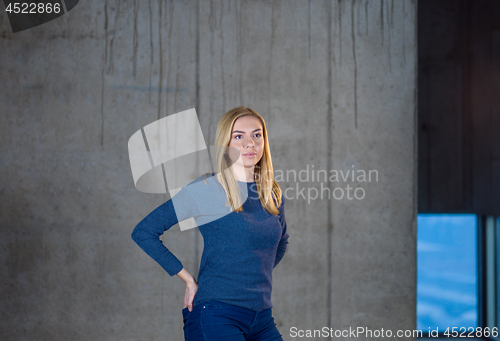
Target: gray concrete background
[336,83]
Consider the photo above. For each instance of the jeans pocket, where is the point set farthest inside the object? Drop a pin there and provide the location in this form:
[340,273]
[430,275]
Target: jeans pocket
[185,315]
[212,304]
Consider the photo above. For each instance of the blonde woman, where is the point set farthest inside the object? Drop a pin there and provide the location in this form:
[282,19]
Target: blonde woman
[232,298]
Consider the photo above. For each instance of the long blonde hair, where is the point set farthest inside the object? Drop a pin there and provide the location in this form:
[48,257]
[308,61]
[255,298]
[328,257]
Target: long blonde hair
[267,188]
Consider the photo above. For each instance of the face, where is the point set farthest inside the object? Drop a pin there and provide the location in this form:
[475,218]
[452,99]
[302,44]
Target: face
[247,137]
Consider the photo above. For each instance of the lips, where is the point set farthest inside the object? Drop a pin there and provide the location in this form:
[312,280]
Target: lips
[250,154]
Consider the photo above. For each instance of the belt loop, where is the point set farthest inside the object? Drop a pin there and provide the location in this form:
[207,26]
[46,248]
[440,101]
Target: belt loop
[255,318]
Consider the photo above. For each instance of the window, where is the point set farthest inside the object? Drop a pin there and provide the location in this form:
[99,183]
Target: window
[447,271]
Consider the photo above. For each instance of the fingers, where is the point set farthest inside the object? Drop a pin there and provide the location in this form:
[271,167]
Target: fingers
[189,297]
[190,301]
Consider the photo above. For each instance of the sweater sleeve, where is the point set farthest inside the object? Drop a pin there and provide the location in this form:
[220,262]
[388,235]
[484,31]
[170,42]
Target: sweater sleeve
[147,233]
[284,236]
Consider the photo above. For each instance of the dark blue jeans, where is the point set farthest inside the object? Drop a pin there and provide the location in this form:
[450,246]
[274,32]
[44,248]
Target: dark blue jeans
[218,321]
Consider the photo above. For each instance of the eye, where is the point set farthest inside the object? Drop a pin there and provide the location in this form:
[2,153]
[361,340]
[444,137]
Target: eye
[236,137]
[258,135]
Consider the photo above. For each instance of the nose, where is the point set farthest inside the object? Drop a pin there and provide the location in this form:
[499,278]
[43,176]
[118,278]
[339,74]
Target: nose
[250,142]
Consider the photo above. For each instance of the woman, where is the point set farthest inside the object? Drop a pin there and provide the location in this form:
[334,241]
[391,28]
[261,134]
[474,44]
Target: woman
[232,298]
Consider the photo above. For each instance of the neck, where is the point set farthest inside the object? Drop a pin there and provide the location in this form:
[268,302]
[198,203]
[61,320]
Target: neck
[244,174]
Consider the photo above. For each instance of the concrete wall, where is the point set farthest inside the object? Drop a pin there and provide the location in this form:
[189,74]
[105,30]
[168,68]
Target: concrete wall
[336,83]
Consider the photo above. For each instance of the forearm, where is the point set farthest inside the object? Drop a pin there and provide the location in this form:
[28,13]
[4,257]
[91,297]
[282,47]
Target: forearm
[186,276]
[147,235]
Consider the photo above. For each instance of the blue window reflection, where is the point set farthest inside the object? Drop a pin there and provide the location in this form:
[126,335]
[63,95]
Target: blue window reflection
[446,271]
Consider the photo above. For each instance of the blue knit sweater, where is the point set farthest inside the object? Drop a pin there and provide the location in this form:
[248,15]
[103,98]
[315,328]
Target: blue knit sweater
[241,249]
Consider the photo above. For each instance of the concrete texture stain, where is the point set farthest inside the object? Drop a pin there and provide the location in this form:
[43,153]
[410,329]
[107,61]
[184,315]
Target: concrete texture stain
[353,42]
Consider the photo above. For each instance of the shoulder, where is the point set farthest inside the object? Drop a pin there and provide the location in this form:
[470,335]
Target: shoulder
[278,187]
[204,186]
[207,179]
[208,195]
[280,207]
